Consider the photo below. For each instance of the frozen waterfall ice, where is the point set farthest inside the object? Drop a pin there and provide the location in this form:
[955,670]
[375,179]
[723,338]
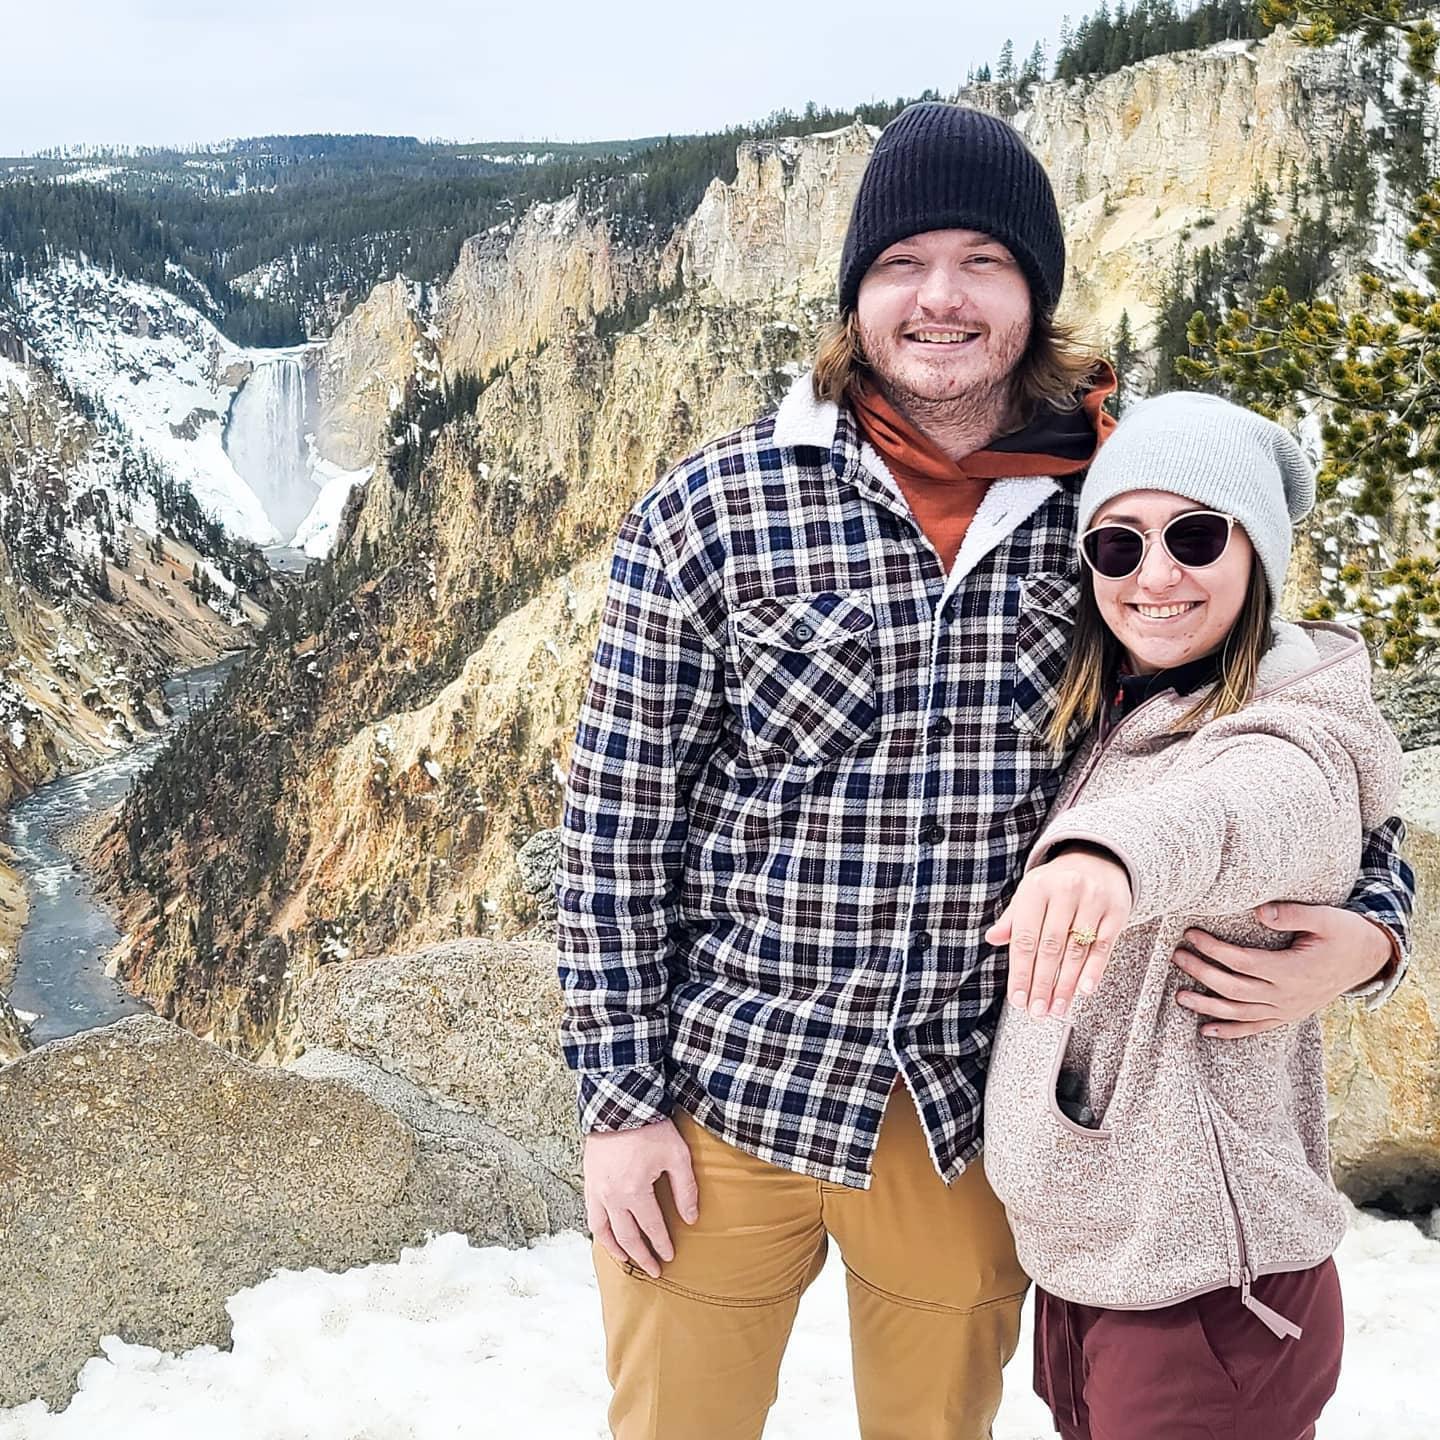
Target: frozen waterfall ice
[266,438]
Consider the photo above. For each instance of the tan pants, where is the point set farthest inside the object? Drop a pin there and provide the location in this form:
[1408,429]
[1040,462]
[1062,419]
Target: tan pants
[934,1292]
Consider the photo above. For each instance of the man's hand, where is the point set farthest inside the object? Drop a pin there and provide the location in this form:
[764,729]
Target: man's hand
[1333,951]
[621,1168]
[1077,891]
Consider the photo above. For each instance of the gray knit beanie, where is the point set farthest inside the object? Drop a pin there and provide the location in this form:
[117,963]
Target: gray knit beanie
[1221,456]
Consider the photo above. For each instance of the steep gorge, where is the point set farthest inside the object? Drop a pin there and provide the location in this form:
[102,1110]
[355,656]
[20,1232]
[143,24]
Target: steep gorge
[383,769]
[94,611]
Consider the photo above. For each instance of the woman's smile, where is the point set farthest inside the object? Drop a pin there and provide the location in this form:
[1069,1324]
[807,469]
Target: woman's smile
[1161,613]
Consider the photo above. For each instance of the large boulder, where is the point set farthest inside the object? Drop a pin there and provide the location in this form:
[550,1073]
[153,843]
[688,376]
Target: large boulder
[471,1178]
[146,1175]
[474,1022]
[1384,1064]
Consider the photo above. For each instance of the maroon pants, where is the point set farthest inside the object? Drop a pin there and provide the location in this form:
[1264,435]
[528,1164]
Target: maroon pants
[1205,1369]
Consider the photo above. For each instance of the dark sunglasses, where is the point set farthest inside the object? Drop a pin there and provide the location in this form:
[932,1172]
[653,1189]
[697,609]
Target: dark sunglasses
[1193,540]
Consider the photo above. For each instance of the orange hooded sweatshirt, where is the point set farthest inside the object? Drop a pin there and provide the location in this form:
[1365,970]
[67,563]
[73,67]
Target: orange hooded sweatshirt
[944,493]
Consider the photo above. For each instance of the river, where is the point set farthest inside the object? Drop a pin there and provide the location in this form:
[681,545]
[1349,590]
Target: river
[60,965]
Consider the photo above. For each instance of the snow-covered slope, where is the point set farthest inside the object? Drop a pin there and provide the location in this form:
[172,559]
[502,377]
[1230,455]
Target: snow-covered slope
[456,1341]
[316,533]
[51,455]
[100,559]
[170,378]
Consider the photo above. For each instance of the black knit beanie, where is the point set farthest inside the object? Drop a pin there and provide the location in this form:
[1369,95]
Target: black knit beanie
[947,167]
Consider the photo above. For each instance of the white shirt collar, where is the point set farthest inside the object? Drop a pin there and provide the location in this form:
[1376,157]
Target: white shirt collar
[804,420]
[1008,503]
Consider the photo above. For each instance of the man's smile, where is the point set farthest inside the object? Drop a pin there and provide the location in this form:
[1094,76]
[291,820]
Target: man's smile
[942,337]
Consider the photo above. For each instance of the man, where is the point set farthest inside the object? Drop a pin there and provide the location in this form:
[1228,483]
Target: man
[809,765]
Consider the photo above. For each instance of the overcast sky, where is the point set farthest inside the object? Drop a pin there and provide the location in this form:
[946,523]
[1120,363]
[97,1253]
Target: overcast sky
[177,71]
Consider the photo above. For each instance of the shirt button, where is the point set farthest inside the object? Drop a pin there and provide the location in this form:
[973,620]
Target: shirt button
[932,833]
[940,726]
[921,941]
[803,633]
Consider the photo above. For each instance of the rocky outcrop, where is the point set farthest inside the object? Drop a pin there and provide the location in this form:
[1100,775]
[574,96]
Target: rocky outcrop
[782,220]
[14,911]
[14,1041]
[1384,1065]
[435,803]
[1167,152]
[535,863]
[363,371]
[474,1023]
[1410,701]
[548,273]
[470,1177]
[146,1175]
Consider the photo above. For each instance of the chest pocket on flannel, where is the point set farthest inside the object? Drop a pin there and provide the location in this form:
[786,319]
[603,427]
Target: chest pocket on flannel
[1043,632]
[806,671]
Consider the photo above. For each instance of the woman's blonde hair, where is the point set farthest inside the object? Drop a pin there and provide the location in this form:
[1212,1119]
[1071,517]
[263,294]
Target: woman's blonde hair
[1053,370]
[1095,660]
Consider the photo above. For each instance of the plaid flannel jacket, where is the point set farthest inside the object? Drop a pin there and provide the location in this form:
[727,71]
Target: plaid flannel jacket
[807,771]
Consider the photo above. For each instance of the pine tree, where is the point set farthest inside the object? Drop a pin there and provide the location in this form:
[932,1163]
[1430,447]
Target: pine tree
[1372,374]
[1123,355]
[1351,173]
[1102,43]
[1005,66]
[1033,70]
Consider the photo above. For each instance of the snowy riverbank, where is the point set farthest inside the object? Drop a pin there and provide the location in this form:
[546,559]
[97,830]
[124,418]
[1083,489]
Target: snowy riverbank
[458,1342]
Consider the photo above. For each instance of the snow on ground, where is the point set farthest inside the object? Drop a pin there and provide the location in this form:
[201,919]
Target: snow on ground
[528,158]
[316,534]
[98,468]
[454,1341]
[87,174]
[1231,47]
[1394,218]
[14,375]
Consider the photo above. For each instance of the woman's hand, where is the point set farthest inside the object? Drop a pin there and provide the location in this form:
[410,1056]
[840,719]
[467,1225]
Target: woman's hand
[1076,894]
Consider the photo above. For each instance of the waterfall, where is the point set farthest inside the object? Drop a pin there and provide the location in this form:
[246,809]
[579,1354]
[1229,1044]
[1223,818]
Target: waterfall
[265,438]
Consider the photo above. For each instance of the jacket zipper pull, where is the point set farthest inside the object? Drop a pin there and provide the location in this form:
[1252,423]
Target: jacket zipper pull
[1272,1320]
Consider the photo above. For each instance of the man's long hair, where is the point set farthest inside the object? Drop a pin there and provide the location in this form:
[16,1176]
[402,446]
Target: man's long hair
[1053,371]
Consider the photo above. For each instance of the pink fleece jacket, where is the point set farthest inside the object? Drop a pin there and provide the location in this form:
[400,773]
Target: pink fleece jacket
[1209,1165]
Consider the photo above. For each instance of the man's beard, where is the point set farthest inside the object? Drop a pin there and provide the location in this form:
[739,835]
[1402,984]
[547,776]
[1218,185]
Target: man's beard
[985,399]
[988,401]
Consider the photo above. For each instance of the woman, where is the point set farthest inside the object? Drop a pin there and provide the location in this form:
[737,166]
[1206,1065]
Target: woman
[1170,1194]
